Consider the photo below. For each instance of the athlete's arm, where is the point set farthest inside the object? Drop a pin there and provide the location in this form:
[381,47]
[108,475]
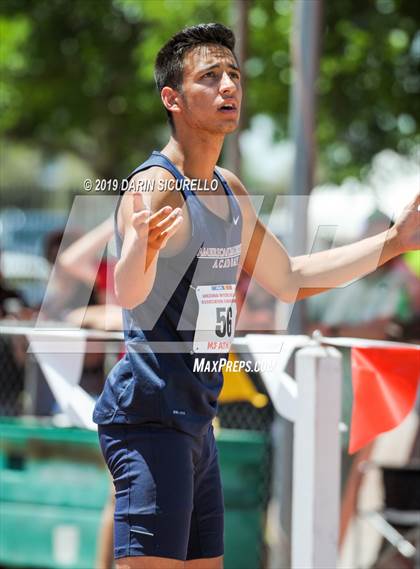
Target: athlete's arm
[144,235]
[294,278]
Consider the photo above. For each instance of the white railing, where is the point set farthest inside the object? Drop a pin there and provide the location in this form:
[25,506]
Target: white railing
[312,403]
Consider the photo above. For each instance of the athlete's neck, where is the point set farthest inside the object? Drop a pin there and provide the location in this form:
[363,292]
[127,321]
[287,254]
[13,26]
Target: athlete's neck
[195,157]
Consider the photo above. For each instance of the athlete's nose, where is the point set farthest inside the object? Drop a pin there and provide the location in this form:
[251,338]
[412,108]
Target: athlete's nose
[227,84]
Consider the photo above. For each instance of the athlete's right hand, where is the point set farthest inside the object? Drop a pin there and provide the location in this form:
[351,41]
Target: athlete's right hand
[155,229]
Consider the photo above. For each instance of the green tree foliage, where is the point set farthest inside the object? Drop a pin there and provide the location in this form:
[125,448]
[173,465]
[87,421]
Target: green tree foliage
[369,79]
[78,75]
[369,87]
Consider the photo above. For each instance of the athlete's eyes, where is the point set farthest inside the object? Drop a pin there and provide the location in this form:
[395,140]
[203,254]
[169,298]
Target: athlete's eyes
[212,74]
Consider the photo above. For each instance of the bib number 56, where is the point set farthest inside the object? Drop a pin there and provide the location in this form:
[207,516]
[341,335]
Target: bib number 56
[224,321]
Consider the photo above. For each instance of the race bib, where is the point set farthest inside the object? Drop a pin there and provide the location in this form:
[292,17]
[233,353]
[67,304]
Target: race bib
[216,319]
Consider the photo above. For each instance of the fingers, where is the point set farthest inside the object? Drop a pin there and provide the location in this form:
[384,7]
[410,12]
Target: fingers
[160,215]
[138,203]
[161,236]
[168,233]
[158,233]
[140,222]
[173,228]
[158,227]
[167,220]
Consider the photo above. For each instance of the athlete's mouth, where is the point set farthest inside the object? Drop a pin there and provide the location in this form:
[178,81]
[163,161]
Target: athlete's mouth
[228,108]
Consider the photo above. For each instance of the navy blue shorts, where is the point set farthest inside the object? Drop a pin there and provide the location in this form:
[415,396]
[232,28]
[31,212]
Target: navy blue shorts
[168,492]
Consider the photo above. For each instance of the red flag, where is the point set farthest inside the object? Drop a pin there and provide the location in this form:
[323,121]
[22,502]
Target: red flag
[385,383]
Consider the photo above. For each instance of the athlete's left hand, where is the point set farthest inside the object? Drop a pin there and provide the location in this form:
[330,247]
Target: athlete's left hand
[407,226]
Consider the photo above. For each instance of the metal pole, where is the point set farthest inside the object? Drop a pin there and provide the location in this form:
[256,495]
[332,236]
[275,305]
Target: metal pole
[240,27]
[305,59]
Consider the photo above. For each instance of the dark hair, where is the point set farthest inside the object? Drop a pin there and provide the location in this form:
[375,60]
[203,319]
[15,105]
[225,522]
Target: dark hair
[169,64]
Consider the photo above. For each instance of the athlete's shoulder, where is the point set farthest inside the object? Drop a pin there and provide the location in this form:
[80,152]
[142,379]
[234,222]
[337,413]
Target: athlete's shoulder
[234,182]
[239,191]
[152,173]
[151,183]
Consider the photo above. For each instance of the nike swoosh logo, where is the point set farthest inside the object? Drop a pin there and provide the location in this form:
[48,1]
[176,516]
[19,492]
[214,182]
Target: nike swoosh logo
[142,531]
[235,220]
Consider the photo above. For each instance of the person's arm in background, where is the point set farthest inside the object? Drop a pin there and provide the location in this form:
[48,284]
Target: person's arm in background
[79,260]
[99,317]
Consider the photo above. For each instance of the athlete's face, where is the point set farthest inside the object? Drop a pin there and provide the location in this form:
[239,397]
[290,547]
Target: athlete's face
[211,81]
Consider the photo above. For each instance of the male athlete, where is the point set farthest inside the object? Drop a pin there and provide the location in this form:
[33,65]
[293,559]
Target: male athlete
[179,255]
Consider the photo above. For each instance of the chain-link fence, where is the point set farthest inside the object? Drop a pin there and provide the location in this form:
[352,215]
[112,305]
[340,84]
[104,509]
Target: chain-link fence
[12,373]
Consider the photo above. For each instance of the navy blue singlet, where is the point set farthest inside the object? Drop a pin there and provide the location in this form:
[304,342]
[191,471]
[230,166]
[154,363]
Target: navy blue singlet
[189,315]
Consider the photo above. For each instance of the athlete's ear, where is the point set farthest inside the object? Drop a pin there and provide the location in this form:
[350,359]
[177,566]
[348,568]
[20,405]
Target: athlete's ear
[170,98]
